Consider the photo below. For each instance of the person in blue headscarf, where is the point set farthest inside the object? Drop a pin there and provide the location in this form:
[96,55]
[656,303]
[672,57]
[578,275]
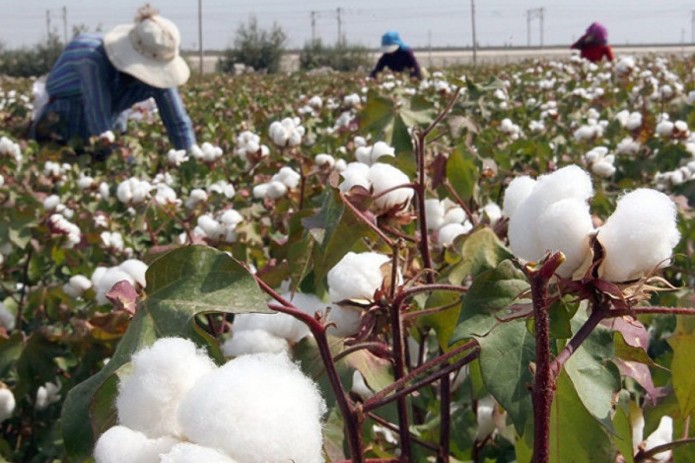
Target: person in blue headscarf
[397,56]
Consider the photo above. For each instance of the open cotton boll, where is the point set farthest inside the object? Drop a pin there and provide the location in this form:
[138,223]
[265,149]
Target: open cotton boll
[7,318]
[662,435]
[568,182]
[148,399]
[46,395]
[355,174]
[523,232]
[359,386]
[7,403]
[565,226]
[517,191]
[258,409]
[254,341]
[384,177]
[434,211]
[110,277]
[120,444]
[345,320]
[185,452]
[356,276]
[136,269]
[484,417]
[449,232]
[639,236]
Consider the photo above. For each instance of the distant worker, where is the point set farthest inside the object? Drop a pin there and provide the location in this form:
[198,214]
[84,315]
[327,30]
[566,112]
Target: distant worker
[593,45]
[397,56]
[96,78]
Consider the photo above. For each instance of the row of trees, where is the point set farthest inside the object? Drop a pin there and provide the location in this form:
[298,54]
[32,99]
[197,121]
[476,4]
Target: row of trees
[253,46]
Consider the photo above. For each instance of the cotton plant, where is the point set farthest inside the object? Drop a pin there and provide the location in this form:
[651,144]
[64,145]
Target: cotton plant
[287,132]
[369,154]
[381,180]
[177,405]
[510,128]
[220,226]
[254,333]
[250,148]
[59,225]
[134,191]
[600,161]
[279,185]
[104,278]
[207,152]
[551,213]
[352,282]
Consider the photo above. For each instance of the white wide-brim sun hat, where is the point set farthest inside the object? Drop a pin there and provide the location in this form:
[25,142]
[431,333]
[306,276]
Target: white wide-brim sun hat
[390,48]
[149,51]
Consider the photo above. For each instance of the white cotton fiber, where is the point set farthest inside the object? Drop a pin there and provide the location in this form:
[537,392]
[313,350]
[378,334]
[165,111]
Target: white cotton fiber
[120,444]
[434,210]
[149,398]
[517,191]
[7,404]
[662,435]
[356,276]
[185,452]
[569,182]
[345,320]
[449,232]
[565,226]
[108,279]
[355,174]
[384,177]
[258,409]
[253,341]
[639,236]
[136,269]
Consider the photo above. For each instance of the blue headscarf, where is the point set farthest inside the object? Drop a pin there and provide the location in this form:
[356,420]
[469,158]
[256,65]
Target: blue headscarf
[389,39]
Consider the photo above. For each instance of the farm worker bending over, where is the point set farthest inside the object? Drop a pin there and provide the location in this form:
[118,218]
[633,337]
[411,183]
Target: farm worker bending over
[96,78]
[593,45]
[397,56]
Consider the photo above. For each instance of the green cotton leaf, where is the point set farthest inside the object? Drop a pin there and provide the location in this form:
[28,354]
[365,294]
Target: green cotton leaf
[378,113]
[592,372]
[181,284]
[444,321]
[462,172]
[683,379]
[622,430]
[489,296]
[10,351]
[417,110]
[575,436]
[560,314]
[376,371]
[481,250]
[336,229]
[505,357]
[334,436]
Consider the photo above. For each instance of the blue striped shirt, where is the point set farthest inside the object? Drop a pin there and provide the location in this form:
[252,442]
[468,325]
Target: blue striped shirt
[88,93]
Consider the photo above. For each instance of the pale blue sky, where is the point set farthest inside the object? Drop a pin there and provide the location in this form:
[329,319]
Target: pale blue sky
[435,22]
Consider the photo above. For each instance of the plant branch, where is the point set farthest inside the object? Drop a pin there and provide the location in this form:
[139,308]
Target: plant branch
[655,310]
[366,221]
[393,427]
[380,346]
[646,455]
[544,382]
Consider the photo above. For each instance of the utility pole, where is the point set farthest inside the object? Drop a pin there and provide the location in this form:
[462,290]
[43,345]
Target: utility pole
[200,36]
[475,40]
[339,12]
[692,27]
[48,24]
[313,26]
[532,14]
[65,24]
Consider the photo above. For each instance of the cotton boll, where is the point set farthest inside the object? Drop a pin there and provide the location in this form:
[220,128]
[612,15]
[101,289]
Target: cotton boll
[288,177]
[260,191]
[276,190]
[185,452]
[258,409]
[136,269]
[77,285]
[120,444]
[522,232]
[449,232]
[639,236]
[345,320]
[359,386]
[149,397]
[254,341]
[517,191]
[435,213]
[355,174]
[662,435]
[565,226]
[568,182]
[484,417]
[46,395]
[356,276]
[108,280]
[493,212]
[384,177]
[7,403]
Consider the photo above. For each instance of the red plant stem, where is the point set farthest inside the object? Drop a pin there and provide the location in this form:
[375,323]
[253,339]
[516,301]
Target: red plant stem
[598,313]
[437,375]
[652,311]
[366,221]
[421,369]
[543,384]
[347,407]
[399,372]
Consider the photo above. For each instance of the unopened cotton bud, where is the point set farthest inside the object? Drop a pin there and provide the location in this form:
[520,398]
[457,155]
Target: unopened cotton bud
[639,236]
[162,374]
[257,408]
[120,444]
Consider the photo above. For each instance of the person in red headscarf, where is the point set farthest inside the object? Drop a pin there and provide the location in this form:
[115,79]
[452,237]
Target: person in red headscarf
[593,45]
